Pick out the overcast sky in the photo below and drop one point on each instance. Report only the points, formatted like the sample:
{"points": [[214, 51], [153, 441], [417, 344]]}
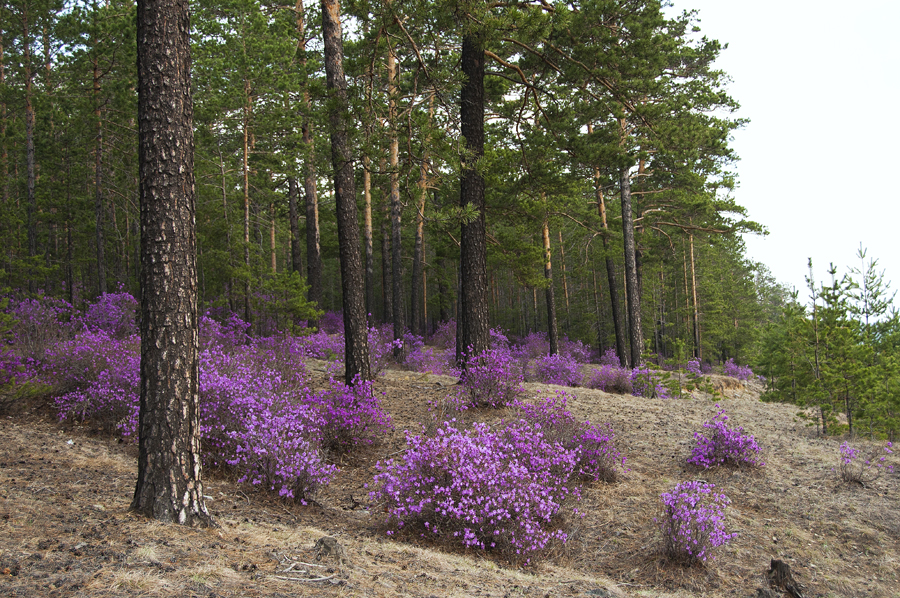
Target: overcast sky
{"points": [[820, 82]]}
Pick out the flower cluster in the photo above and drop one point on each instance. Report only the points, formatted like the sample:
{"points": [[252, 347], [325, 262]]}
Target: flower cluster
{"points": [[114, 313], [597, 457], [574, 350], [352, 415], [557, 369], [693, 522], [445, 335], [496, 489], [332, 322], [720, 444], [611, 378], [693, 368], [489, 380], [276, 447], [741, 372], [41, 323], [610, 357], [862, 469]]}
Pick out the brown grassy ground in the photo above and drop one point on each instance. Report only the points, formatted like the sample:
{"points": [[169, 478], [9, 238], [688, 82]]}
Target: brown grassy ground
{"points": [[65, 529]]}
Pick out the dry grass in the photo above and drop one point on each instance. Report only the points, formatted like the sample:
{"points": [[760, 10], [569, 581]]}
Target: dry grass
{"points": [[67, 532]]}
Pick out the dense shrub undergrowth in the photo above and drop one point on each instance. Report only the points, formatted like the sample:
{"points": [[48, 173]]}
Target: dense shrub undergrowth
{"points": [[505, 487]]}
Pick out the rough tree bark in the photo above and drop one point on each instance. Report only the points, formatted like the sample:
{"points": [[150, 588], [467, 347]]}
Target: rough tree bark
{"points": [[356, 346], [169, 485], [472, 329], [296, 253], [396, 209], [549, 293], [632, 289], [611, 279]]}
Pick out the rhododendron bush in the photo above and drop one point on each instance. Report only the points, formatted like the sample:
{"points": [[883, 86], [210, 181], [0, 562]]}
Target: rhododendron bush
{"points": [[493, 488], [259, 414]]}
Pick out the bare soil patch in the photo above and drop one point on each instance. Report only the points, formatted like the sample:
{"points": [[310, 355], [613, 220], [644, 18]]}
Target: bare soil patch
{"points": [[66, 530]]}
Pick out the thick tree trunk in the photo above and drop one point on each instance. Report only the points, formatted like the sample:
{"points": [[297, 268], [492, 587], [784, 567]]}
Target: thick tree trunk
{"points": [[168, 485], [246, 173], [565, 282], [272, 247], [472, 336], [368, 242], [698, 345], [418, 305], [386, 285], [294, 216], [631, 281], [4, 150], [396, 209], [552, 332], [356, 346], [31, 206], [611, 280], [310, 193], [99, 237]]}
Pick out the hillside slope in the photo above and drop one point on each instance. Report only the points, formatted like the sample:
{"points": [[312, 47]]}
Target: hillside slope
{"points": [[64, 495]]}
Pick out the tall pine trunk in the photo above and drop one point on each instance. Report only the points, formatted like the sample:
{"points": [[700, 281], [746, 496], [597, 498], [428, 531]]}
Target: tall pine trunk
{"points": [[294, 216], [611, 279], [99, 237], [169, 485], [632, 289], [356, 347], [472, 329], [396, 209], [549, 293], [368, 241]]}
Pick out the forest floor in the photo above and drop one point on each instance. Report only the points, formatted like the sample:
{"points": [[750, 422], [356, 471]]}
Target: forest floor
{"points": [[65, 528]]}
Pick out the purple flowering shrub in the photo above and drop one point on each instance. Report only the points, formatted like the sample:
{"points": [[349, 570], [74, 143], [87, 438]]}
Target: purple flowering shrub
{"points": [[429, 360], [351, 416], [693, 368], [40, 324], [648, 383], [611, 378], [741, 372], [720, 444], [381, 347], [693, 522], [99, 379], [332, 322], [445, 335], [858, 468], [321, 345], [276, 448], [557, 369], [489, 380], [597, 457], [534, 344], [227, 334], [114, 313], [499, 489], [610, 357], [575, 350]]}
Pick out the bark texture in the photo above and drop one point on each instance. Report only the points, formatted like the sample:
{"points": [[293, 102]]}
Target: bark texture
{"points": [[356, 346], [294, 214], [611, 279], [472, 330], [632, 288], [550, 295], [169, 485]]}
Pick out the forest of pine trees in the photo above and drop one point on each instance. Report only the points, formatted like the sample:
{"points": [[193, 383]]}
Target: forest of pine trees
{"points": [[597, 186]]}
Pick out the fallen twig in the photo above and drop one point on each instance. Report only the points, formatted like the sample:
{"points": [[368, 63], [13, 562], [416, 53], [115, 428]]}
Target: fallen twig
{"points": [[303, 578]]}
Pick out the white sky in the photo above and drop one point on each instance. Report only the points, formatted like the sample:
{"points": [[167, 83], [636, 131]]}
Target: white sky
{"points": [[820, 82]]}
